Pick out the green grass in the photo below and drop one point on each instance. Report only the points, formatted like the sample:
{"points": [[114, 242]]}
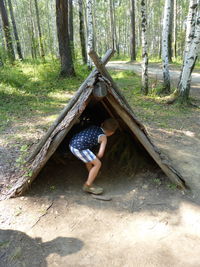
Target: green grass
{"points": [[150, 108], [33, 91], [32, 88]]}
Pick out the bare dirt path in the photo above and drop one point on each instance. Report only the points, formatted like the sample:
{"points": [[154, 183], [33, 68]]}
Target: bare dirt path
{"points": [[148, 222]]}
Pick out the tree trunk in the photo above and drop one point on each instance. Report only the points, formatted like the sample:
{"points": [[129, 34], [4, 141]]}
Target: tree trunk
{"points": [[112, 25], [165, 50], [171, 20], [71, 27], [144, 49], [90, 35], [82, 32], [39, 30], [189, 61], [67, 67], [6, 28], [115, 31], [132, 43], [191, 20], [19, 51], [32, 30], [175, 31]]}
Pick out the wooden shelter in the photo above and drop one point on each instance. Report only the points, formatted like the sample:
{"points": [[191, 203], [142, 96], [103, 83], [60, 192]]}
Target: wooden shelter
{"points": [[100, 91]]}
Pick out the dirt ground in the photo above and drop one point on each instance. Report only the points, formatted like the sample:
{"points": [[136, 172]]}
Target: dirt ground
{"points": [[148, 222]]}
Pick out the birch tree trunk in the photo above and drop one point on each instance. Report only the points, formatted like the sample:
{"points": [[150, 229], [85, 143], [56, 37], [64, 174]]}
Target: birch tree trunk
{"points": [[71, 27], [165, 50], [39, 30], [144, 88], [6, 28], [19, 50], [191, 21], [82, 32], [90, 35], [67, 67], [189, 61], [132, 41]]}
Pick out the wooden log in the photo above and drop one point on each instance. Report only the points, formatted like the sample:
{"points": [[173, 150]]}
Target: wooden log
{"points": [[105, 59], [51, 145], [141, 136], [137, 128]]}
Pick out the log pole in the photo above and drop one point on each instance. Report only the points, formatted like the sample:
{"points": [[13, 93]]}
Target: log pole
{"points": [[140, 133]]}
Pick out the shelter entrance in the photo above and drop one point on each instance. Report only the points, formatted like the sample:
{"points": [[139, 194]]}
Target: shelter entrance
{"points": [[124, 163]]}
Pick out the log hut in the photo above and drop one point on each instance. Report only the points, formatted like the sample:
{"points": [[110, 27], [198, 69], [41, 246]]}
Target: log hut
{"points": [[100, 94]]}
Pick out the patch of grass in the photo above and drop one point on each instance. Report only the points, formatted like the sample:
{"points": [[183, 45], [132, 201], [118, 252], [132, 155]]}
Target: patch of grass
{"points": [[157, 181], [172, 186], [150, 108], [30, 88]]}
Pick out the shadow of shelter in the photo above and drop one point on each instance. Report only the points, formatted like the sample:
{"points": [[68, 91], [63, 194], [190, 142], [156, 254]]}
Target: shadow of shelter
{"points": [[20, 250]]}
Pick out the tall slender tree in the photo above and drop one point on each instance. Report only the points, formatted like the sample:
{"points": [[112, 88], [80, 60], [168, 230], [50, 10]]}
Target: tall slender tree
{"points": [[175, 31], [39, 30], [132, 41], [165, 45], [19, 50], [112, 34], [71, 26], [144, 49], [6, 28], [90, 35], [192, 48], [170, 35], [191, 22], [82, 32], [67, 67]]}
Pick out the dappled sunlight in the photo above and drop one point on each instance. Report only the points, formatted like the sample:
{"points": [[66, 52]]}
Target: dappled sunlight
{"points": [[190, 217]]}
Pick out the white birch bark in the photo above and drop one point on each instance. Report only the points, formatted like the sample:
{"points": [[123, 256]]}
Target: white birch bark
{"points": [[165, 50], [144, 49], [90, 35], [191, 20], [189, 63]]}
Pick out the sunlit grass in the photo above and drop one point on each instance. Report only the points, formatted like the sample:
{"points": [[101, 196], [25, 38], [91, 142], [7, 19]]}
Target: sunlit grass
{"points": [[30, 88], [150, 108]]}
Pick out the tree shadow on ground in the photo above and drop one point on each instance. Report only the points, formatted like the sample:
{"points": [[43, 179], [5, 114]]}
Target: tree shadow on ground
{"points": [[17, 249]]}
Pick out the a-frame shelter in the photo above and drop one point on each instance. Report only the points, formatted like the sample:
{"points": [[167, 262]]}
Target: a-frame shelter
{"points": [[99, 88]]}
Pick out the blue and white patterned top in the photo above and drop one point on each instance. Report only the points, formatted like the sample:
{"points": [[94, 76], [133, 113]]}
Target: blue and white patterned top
{"points": [[87, 138]]}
